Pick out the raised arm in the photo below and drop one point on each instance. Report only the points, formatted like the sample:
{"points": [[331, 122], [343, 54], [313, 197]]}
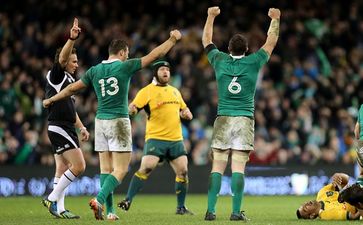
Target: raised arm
{"points": [[162, 49], [67, 48], [66, 92], [213, 12], [357, 131], [273, 30], [340, 180]]}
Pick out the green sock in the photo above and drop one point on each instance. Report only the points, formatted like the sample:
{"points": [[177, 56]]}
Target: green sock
{"points": [[136, 184], [109, 199], [181, 188], [215, 181], [237, 186], [108, 186], [360, 181]]}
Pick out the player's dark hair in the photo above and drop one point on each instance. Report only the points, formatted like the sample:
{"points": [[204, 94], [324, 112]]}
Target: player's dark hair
{"points": [[298, 214], [238, 45], [117, 45], [57, 53]]}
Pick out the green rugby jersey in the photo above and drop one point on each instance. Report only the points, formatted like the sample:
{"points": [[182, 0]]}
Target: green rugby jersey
{"points": [[360, 121], [110, 80], [236, 80]]}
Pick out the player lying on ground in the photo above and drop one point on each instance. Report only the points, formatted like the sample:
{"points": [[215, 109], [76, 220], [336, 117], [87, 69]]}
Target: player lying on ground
{"points": [[326, 205]]}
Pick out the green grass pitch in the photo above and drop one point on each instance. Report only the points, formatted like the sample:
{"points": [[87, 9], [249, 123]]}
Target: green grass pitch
{"points": [[159, 210]]}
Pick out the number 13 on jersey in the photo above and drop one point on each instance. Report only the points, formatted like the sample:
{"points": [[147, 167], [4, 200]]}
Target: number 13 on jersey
{"points": [[113, 86]]}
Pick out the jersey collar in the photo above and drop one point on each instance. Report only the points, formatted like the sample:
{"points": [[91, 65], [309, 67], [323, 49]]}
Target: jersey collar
{"points": [[110, 60], [237, 56]]}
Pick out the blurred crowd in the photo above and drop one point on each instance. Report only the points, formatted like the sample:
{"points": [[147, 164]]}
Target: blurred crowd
{"points": [[307, 97]]}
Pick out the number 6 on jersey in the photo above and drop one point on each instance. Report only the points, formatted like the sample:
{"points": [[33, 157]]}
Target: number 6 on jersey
{"points": [[234, 87]]}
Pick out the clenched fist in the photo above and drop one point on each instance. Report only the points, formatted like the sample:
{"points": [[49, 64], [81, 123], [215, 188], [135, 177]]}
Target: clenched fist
{"points": [[274, 13], [214, 11], [175, 34]]}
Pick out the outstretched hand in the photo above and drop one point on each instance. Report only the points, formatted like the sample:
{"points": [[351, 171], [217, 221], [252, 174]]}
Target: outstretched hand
{"points": [[175, 34], [214, 11], [274, 13], [75, 30]]}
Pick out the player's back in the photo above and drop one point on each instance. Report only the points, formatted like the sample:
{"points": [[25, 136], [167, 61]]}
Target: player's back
{"points": [[236, 81], [110, 80]]}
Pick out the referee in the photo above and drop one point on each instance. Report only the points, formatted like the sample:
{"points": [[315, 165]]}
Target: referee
{"points": [[62, 123]]}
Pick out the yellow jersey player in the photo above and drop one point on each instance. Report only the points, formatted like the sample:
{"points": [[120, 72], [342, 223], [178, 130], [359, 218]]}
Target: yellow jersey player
{"points": [[326, 206], [163, 140]]}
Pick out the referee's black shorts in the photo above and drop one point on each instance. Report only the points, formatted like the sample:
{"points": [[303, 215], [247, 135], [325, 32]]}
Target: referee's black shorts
{"points": [[62, 138]]}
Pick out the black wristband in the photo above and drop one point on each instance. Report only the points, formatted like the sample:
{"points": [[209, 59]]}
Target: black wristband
{"points": [[73, 39]]}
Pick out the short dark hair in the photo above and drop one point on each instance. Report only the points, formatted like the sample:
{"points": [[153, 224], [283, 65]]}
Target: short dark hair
{"points": [[116, 45], [298, 214], [57, 53], [238, 45]]}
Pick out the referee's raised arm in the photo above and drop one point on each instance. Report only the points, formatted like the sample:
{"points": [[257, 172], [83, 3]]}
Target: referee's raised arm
{"points": [[68, 46]]}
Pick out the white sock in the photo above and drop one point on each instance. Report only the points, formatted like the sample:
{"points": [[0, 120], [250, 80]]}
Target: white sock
{"points": [[60, 202], [63, 182]]}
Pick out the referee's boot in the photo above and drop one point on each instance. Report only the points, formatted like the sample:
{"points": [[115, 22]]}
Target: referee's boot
{"points": [[51, 206]]}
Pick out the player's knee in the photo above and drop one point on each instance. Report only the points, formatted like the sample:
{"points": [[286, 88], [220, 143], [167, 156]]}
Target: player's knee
{"points": [[183, 173], [79, 168], [240, 158], [220, 156]]}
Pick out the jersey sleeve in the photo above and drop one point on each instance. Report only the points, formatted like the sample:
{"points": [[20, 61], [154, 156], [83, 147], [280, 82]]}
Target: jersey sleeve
{"points": [[141, 99], [87, 77], [56, 74], [334, 214], [260, 57], [323, 191], [212, 54], [182, 103], [133, 65]]}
